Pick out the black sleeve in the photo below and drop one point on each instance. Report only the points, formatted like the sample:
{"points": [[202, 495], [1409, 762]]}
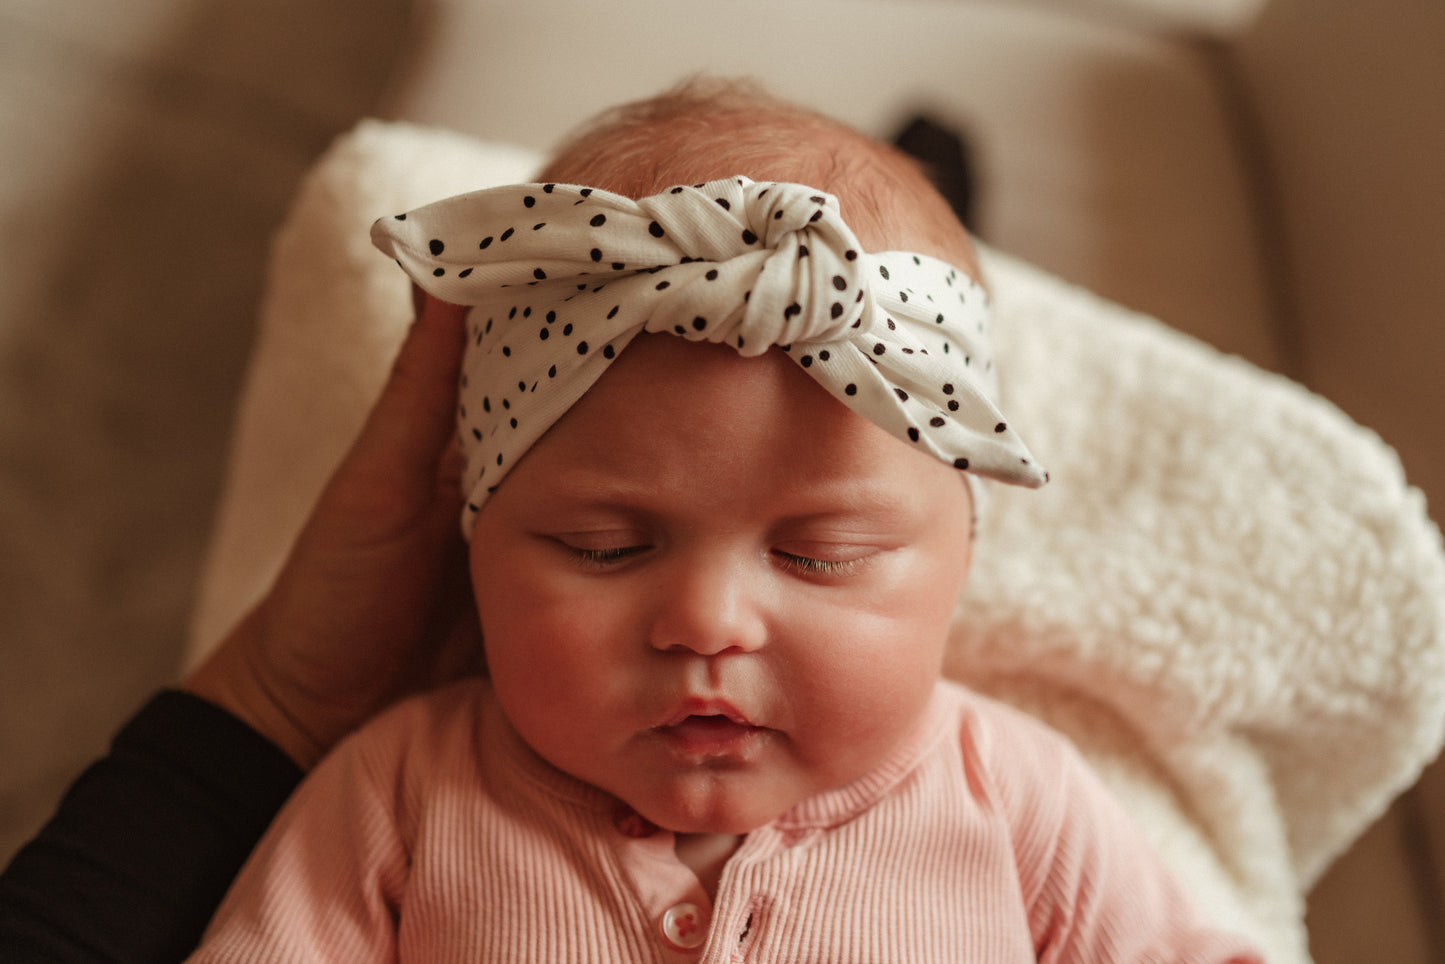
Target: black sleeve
{"points": [[147, 840]]}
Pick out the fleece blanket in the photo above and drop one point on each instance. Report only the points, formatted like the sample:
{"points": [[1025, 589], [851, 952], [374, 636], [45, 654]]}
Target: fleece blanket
{"points": [[1228, 597]]}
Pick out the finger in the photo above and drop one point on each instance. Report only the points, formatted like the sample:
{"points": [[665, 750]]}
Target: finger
{"points": [[449, 473], [414, 418]]}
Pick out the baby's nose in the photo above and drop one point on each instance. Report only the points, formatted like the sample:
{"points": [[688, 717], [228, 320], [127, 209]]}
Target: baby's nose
{"points": [[709, 606]]}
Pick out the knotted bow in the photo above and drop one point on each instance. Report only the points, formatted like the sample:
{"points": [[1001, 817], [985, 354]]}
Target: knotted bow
{"points": [[561, 278]]}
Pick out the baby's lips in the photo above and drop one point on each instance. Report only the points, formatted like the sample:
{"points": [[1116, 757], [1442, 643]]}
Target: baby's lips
{"points": [[699, 707]]}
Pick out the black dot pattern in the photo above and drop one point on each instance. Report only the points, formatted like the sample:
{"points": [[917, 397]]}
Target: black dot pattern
{"points": [[902, 339]]}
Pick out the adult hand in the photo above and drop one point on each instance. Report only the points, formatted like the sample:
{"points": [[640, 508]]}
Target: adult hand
{"points": [[374, 601]]}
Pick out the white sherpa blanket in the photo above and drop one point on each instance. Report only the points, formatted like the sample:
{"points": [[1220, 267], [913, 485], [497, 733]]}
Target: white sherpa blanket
{"points": [[1228, 596]]}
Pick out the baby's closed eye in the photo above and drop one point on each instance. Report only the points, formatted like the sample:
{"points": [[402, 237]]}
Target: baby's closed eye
{"points": [[816, 558]]}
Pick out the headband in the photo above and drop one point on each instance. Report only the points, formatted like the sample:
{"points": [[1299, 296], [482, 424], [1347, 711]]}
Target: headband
{"points": [[561, 278]]}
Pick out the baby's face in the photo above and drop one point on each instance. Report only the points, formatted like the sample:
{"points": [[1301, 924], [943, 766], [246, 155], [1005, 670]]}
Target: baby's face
{"points": [[713, 590]]}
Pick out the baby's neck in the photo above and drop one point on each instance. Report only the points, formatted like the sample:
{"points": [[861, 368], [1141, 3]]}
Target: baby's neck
{"points": [[705, 854]]}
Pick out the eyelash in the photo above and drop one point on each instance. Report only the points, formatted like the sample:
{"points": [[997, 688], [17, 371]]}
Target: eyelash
{"points": [[803, 565], [808, 566], [603, 557]]}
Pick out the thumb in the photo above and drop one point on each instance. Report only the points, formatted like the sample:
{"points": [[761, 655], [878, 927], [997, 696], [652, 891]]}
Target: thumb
{"points": [[414, 418]]}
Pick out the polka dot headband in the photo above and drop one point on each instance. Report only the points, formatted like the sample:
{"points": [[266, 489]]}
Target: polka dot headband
{"points": [[562, 278]]}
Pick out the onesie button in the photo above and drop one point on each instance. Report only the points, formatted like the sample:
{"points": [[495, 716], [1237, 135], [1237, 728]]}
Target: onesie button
{"points": [[683, 926]]}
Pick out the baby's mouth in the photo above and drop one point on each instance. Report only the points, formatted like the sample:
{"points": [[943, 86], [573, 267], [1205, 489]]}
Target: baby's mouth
{"points": [[715, 723], [707, 712], [714, 731]]}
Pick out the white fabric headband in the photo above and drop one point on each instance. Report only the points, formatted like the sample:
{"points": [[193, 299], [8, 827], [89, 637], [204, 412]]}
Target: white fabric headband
{"points": [[561, 278]]}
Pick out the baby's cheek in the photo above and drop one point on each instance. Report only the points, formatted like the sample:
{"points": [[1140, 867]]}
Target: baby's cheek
{"points": [[865, 697]]}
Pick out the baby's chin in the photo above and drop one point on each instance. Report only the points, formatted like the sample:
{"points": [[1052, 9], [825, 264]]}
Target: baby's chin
{"points": [[714, 813], [739, 825]]}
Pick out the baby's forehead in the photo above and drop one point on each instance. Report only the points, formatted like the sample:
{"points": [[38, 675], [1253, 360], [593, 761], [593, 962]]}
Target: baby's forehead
{"points": [[668, 405]]}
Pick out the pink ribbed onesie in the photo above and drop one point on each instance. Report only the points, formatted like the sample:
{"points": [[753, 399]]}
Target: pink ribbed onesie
{"points": [[436, 835]]}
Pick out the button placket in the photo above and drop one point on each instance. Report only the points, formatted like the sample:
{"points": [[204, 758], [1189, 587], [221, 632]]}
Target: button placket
{"points": [[670, 898]]}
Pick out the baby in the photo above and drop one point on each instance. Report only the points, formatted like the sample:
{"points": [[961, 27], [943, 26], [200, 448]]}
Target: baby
{"points": [[726, 398]]}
